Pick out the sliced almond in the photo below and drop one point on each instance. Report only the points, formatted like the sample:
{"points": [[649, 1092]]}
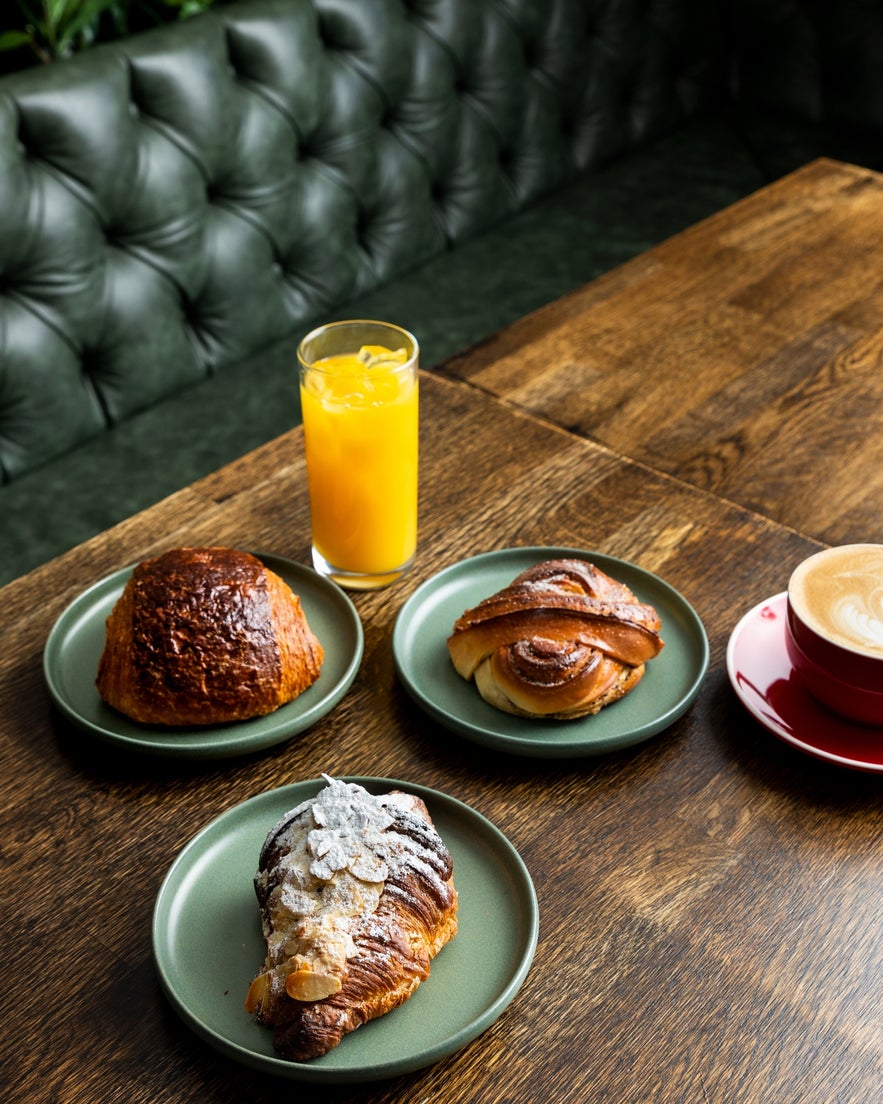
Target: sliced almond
{"points": [[307, 985]]}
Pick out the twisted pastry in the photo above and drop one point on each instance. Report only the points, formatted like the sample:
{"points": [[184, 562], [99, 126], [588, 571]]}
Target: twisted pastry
{"points": [[561, 641]]}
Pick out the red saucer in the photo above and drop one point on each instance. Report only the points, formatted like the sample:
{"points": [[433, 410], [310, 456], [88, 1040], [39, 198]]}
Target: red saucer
{"points": [[763, 678]]}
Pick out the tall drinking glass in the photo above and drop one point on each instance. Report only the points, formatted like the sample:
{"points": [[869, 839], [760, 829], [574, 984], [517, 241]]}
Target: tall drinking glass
{"points": [[358, 389]]}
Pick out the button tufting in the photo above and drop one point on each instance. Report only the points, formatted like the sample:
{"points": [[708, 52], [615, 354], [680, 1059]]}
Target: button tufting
{"points": [[288, 191]]}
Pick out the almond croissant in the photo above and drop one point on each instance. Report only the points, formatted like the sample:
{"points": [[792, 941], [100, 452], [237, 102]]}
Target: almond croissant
{"points": [[561, 641], [356, 896]]}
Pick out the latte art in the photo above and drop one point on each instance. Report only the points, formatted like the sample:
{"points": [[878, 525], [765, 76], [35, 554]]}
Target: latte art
{"points": [[859, 621], [839, 594]]}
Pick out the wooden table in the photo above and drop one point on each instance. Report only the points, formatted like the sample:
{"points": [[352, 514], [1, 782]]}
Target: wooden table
{"points": [[710, 900], [742, 355]]}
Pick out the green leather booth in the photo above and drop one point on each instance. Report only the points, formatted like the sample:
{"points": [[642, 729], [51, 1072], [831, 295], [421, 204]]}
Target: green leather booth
{"points": [[177, 208]]}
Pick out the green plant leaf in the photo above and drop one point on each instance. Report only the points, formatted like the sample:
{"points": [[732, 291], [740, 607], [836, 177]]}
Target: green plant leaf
{"points": [[58, 28], [59, 11], [87, 16], [12, 40]]}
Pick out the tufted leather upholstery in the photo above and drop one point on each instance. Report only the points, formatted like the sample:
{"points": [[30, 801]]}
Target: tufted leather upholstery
{"points": [[180, 205], [171, 204]]}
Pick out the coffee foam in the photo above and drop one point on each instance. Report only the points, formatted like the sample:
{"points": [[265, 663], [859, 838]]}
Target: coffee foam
{"points": [[839, 594]]}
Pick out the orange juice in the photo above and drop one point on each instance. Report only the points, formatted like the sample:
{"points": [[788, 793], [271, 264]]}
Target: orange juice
{"points": [[360, 416]]}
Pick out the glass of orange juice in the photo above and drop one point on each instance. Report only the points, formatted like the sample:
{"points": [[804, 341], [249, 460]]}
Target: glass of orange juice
{"points": [[358, 390]]}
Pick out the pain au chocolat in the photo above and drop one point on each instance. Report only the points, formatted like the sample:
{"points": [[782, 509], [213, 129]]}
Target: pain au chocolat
{"points": [[561, 641], [356, 896], [204, 636]]}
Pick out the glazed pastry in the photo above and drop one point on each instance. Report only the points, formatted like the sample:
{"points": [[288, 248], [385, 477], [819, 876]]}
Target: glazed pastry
{"points": [[356, 897], [561, 641], [205, 636]]}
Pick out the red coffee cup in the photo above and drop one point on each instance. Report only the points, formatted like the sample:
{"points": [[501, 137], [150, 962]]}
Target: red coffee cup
{"points": [[834, 633]]}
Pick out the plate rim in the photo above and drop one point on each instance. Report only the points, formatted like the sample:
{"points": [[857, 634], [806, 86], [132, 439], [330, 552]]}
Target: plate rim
{"points": [[167, 893], [186, 743], [779, 730], [534, 746]]}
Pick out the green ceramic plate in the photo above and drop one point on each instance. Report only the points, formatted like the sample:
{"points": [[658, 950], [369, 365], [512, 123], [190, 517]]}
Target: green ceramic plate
{"points": [[208, 946], [74, 646], [668, 688]]}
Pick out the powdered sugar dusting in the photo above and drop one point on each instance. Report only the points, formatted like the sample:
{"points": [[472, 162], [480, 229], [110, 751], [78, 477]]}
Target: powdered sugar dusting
{"points": [[349, 833], [335, 856]]}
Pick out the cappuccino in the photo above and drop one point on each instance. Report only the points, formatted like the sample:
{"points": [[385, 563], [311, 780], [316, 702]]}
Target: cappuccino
{"points": [[838, 593]]}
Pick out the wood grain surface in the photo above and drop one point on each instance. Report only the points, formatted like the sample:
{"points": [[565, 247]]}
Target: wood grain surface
{"points": [[744, 355], [710, 900]]}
